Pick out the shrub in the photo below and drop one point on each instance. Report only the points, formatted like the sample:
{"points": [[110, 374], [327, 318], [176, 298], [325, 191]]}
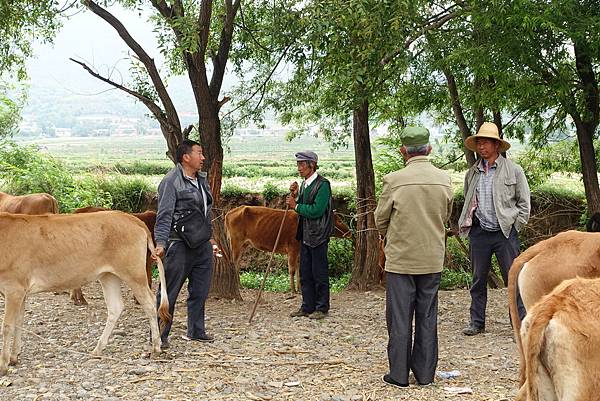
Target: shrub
{"points": [[270, 192], [143, 168], [340, 256], [25, 170], [127, 194]]}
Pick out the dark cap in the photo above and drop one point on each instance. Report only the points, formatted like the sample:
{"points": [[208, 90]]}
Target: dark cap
{"points": [[307, 155]]}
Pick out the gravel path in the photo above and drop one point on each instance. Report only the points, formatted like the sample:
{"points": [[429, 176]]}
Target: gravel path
{"points": [[341, 358]]}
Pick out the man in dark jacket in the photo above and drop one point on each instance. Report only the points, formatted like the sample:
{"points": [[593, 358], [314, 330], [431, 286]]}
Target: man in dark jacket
{"points": [[182, 191], [314, 205]]}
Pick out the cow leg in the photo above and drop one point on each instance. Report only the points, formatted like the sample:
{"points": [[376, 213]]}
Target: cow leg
{"points": [[111, 286], [294, 270], [146, 299], [13, 302], [77, 297], [18, 342], [149, 264]]}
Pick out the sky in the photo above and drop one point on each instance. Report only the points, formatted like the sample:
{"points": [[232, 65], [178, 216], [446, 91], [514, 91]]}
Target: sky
{"points": [[86, 37]]}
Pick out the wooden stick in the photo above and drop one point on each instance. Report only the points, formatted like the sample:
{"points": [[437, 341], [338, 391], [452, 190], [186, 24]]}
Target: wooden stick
{"points": [[268, 270]]}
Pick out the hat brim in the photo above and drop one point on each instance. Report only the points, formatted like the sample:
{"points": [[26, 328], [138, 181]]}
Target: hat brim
{"points": [[471, 144]]}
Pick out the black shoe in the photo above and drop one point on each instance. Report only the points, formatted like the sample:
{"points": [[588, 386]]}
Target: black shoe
{"points": [[203, 338], [318, 315], [472, 330], [388, 380], [299, 313]]}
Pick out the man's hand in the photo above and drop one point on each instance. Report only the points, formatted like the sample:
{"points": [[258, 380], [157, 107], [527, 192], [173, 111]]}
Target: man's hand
{"points": [[215, 248], [159, 252], [290, 201], [294, 189]]}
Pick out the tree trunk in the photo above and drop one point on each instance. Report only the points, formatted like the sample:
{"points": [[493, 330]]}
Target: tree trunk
{"points": [[589, 168], [459, 115], [225, 280], [366, 272]]}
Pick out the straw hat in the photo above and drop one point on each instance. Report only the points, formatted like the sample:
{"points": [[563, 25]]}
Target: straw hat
{"points": [[487, 130]]}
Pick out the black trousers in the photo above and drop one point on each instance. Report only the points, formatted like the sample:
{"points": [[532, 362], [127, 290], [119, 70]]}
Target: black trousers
{"points": [[195, 265], [482, 244], [412, 297], [314, 278]]}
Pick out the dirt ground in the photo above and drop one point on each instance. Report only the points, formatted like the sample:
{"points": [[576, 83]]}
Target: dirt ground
{"points": [[341, 358]]}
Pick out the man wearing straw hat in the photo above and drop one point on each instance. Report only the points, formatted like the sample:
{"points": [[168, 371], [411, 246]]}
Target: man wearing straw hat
{"points": [[314, 205], [497, 206], [413, 208]]}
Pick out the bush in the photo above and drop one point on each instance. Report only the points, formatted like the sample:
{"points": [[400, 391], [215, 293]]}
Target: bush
{"points": [[143, 168], [25, 170], [340, 256], [270, 192], [127, 194]]}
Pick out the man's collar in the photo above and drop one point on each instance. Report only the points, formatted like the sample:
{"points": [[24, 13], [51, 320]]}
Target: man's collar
{"points": [[417, 159], [199, 174], [310, 179]]}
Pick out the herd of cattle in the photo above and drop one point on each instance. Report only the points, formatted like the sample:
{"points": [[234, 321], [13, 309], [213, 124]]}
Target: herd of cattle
{"points": [[558, 280]]}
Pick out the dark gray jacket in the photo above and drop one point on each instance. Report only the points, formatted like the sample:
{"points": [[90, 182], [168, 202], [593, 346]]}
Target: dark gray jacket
{"points": [[177, 195]]}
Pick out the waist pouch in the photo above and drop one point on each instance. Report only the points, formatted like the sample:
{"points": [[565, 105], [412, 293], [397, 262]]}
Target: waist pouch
{"points": [[193, 228]]}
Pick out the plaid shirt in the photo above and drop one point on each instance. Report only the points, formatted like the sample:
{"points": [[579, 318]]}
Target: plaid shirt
{"points": [[485, 212]]}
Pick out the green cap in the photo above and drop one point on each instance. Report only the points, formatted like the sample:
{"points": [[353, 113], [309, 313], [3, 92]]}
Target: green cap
{"points": [[414, 136]]}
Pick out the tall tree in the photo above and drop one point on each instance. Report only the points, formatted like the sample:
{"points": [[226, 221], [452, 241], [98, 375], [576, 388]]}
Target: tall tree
{"points": [[22, 22], [196, 39], [556, 46], [338, 81]]}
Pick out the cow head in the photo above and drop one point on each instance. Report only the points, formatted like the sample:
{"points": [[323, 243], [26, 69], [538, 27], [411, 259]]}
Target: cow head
{"points": [[341, 230]]}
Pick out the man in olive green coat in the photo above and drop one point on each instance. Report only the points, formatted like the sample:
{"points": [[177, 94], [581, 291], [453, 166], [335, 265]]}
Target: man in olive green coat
{"points": [[314, 205], [414, 206]]}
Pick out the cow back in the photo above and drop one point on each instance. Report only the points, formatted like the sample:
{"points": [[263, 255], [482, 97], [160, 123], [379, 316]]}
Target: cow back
{"points": [[40, 203]]}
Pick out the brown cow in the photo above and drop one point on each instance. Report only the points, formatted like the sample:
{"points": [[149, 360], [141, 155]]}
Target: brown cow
{"points": [[561, 339], [28, 204], [56, 252], [258, 226], [149, 218], [542, 267]]}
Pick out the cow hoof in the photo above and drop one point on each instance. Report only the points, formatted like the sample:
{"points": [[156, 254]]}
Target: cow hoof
{"points": [[13, 361], [80, 302], [3, 371]]}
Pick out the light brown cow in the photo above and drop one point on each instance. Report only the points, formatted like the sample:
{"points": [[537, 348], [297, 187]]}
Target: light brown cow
{"points": [[57, 252], [561, 338], [28, 204], [149, 219], [542, 267], [258, 226]]}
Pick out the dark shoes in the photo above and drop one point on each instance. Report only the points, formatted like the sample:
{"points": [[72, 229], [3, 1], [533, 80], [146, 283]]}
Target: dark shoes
{"points": [[318, 315], [299, 313], [472, 330], [203, 338], [388, 380]]}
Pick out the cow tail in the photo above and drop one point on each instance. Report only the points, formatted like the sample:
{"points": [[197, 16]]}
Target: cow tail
{"points": [[163, 309], [513, 277], [539, 319]]}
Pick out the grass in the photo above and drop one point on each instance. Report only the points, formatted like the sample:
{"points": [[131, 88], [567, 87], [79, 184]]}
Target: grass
{"points": [[280, 281]]}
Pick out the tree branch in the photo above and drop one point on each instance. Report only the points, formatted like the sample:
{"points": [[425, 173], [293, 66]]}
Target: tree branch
{"points": [[263, 85], [220, 61], [170, 111], [153, 107], [434, 24]]}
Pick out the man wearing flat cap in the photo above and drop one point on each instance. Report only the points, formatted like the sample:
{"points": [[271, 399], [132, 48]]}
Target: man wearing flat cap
{"points": [[413, 209], [314, 205], [497, 206]]}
